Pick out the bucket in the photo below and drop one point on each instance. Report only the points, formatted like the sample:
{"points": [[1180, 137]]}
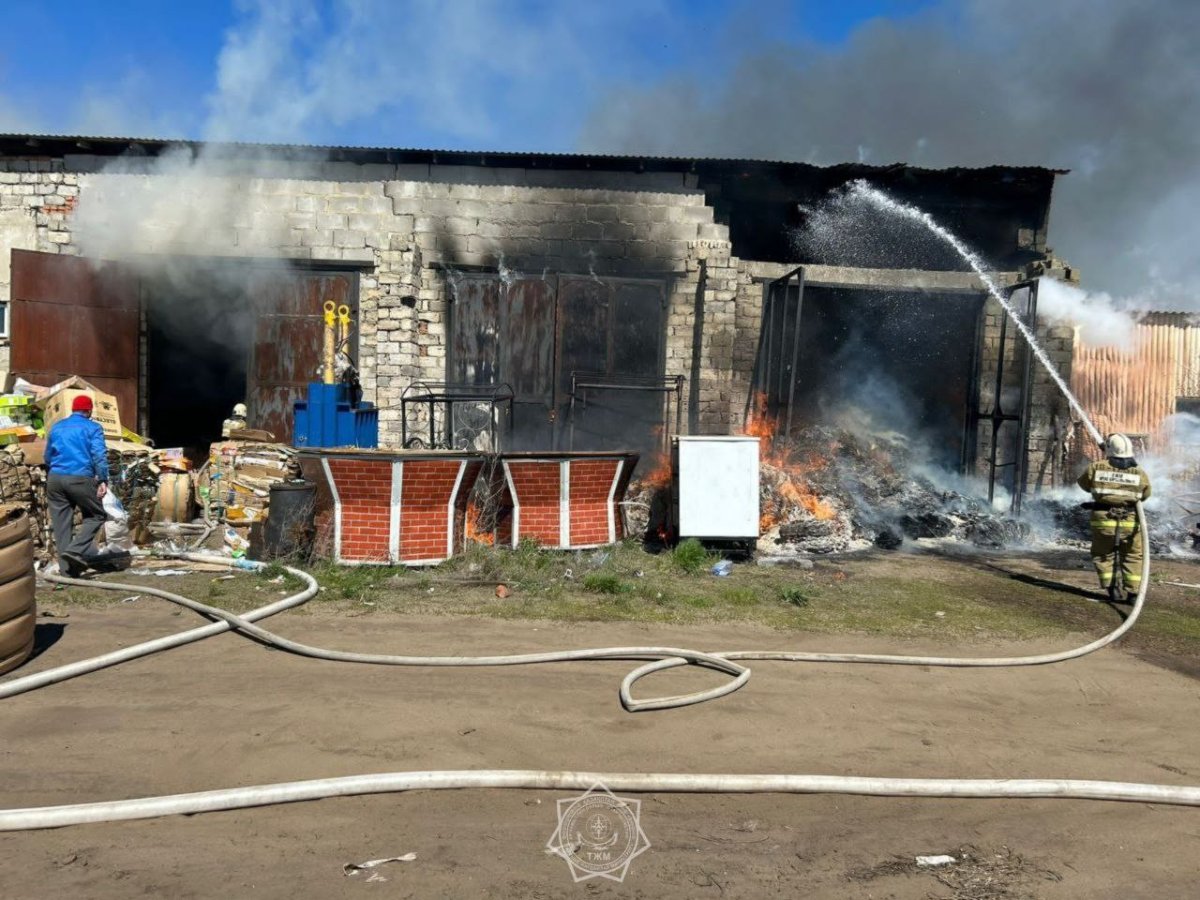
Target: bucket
{"points": [[289, 528], [18, 608]]}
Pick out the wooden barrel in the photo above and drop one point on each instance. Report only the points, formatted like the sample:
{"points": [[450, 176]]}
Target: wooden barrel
{"points": [[18, 606], [174, 502]]}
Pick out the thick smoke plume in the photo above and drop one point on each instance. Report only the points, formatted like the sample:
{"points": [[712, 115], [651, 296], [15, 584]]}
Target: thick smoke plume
{"points": [[1109, 90]]}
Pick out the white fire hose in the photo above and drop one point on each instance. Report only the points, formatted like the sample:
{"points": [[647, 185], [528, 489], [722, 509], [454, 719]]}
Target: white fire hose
{"points": [[662, 658]]}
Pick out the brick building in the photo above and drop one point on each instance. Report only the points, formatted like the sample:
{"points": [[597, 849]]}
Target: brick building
{"points": [[204, 267]]}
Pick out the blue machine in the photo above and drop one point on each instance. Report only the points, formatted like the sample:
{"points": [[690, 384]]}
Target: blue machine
{"points": [[327, 419]]}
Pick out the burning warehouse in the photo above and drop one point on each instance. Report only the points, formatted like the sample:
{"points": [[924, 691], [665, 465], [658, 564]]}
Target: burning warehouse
{"points": [[533, 303]]}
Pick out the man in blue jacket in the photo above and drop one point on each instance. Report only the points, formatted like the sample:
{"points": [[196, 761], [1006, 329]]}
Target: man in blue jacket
{"points": [[77, 460]]}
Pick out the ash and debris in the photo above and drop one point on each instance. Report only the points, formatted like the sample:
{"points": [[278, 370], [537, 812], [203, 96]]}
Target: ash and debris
{"points": [[833, 489]]}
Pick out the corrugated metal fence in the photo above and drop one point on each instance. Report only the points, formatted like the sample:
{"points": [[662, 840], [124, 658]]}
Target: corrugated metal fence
{"points": [[1135, 390]]}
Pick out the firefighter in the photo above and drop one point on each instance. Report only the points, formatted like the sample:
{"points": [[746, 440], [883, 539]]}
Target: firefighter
{"points": [[236, 422], [1116, 484]]}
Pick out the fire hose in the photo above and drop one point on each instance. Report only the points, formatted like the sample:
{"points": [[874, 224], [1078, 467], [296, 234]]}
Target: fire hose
{"points": [[661, 658]]}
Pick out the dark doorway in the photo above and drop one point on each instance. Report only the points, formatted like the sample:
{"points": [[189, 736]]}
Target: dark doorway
{"points": [[905, 359], [226, 332], [199, 330]]}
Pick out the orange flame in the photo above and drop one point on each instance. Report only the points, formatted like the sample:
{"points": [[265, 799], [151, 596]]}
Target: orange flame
{"points": [[473, 529], [793, 490]]}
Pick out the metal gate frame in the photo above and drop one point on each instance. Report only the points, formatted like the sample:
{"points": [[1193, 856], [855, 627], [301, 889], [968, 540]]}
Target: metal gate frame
{"points": [[997, 416], [778, 345]]}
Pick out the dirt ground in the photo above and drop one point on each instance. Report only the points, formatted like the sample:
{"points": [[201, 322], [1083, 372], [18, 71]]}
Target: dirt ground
{"points": [[228, 712]]}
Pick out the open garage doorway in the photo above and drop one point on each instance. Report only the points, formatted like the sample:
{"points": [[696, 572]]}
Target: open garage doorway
{"points": [[178, 340], [199, 340], [902, 362]]}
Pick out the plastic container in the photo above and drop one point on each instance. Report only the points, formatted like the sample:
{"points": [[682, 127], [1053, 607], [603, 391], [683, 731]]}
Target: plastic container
{"points": [[366, 426], [723, 568], [289, 529], [300, 424]]}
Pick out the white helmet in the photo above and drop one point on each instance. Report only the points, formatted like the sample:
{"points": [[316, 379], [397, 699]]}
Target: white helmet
{"points": [[1118, 446], [239, 410]]}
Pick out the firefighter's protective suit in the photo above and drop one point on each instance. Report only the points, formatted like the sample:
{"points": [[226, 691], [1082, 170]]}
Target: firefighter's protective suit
{"points": [[1116, 485]]}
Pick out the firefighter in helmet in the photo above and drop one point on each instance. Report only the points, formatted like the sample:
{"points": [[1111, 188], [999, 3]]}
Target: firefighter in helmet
{"points": [[1116, 484], [235, 422]]}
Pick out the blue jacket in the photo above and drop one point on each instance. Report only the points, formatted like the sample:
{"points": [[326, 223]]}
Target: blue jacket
{"points": [[76, 447]]}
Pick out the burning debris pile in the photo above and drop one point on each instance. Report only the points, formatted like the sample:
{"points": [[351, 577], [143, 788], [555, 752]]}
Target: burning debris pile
{"points": [[853, 485], [832, 489]]}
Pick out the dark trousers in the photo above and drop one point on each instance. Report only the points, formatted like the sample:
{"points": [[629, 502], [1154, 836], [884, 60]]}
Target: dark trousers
{"points": [[64, 495]]}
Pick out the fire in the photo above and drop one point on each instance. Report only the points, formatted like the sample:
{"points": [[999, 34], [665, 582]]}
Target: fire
{"points": [[760, 423], [473, 529], [792, 490]]}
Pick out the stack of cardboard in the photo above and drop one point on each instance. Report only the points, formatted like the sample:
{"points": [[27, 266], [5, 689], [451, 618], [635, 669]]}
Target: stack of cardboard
{"points": [[23, 485], [236, 483]]}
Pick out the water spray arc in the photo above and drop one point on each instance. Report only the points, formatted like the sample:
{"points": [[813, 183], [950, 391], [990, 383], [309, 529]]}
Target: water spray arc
{"points": [[884, 203], [660, 658]]}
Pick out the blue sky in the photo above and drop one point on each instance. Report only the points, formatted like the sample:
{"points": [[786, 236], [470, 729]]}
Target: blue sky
{"points": [[509, 74], [928, 82]]}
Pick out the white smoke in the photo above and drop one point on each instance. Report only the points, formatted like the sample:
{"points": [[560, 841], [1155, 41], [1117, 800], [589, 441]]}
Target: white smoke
{"points": [[1102, 320]]}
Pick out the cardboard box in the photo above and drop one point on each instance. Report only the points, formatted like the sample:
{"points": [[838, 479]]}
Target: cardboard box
{"points": [[57, 406], [35, 453]]}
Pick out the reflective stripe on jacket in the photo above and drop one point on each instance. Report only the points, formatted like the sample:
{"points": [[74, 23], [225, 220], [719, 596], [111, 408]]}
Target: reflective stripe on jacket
{"points": [[1117, 487]]}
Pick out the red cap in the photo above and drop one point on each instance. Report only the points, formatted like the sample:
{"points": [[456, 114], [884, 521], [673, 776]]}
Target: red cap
{"points": [[82, 403]]}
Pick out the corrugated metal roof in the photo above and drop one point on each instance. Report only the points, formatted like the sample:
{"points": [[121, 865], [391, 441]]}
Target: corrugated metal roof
{"points": [[480, 157]]}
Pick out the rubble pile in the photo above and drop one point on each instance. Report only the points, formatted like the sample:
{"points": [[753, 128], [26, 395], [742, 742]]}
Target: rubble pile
{"points": [[133, 478], [829, 490]]}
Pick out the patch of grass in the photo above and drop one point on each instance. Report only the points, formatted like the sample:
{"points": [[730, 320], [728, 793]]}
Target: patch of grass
{"points": [[272, 570], [350, 582], [690, 556], [794, 596], [606, 583], [739, 596]]}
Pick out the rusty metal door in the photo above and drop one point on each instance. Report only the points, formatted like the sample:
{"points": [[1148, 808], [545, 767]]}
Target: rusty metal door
{"points": [[288, 341], [503, 332], [527, 359], [76, 316], [611, 326]]}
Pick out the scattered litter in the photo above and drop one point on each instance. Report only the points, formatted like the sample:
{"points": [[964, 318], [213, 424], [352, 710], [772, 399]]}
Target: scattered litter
{"points": [[940, 614], [942, 860], [132, 599], [161, 573], [502, 592], [639, 574], [467, 731], [569, 575], [355, 868], [278, 579], [600, 557], [723, 568], [225, 578]]}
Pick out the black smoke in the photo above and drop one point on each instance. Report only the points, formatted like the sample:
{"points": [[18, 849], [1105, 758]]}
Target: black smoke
{"points": [[1108, 90]]}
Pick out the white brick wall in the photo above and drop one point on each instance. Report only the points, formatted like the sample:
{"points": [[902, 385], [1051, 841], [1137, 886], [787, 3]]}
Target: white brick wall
{"points": [[408, 228]]}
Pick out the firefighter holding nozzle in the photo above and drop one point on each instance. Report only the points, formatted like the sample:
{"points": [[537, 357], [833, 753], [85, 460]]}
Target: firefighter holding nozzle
{"points": [[1116, 484]]}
